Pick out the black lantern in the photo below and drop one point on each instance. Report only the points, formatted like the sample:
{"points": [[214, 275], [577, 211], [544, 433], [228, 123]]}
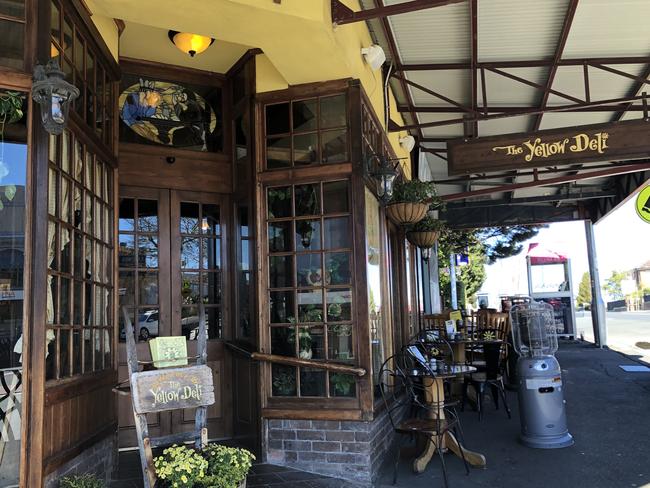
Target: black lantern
{"points": [[54, 95], [385, 173]]}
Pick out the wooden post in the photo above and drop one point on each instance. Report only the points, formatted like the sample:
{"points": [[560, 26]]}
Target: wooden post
{"points": [[598, 316]]}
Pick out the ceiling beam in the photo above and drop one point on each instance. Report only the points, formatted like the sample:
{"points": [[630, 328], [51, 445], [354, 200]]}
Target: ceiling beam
{"points": [[614, 171], [561, 197], [473, 14], [539, 63], [394, 55], [341, 14], [634, 90], [523, 110], [564, 35]]}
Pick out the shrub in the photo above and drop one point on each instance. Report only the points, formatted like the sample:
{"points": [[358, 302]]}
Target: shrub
{"points": [[227, 466], [180, 467], [81, 481]]}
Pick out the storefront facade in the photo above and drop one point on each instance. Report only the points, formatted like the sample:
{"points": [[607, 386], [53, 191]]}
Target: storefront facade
{"points": [[262, 207]]}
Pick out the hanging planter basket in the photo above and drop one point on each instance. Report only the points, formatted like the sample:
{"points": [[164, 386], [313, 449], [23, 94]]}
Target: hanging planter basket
{"points": [[423, 239], [407, 213]]}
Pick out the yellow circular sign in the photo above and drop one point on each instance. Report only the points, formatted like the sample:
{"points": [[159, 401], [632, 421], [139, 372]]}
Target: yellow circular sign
{"points": [[643, 204]]}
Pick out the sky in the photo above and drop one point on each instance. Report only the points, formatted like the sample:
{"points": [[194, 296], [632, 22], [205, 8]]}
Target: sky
{"points": [[622, 243]]}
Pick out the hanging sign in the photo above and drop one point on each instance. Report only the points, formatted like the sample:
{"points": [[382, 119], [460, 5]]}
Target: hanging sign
{"points": [[602, 142], [171, 389], [643, 204]]}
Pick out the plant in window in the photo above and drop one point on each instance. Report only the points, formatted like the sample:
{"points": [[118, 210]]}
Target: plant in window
{"points": [[342, 384], [310, 313], [305, 231], [11, 111], [284, 383], [411, 200], [304, 341], [279, 202]]}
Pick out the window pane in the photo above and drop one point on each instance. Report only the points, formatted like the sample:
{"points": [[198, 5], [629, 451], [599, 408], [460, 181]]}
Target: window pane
{"points": [[280, 236], [278, 152], [190, 290], [283, 341], [339, 305], [88, 350], [12, 45], [312, 382], [211, 254], [64, 353], [277, 119], [148, 288], [335, 146], [77, 351], [211, 287], [332, 111], [210, 222], [311, 342], [280, 271], [305, 115], [337, 233], [126, 251], [310, 306], [305, 148], [339, 340], [127, 214], [64, 304], [309, 270], [282, 306], [307, 199], [190, 252], [336, 197], [147, 216], [189, 218], [283, 380], [148, 251], [16, 8], [279, 202], [342, 385], [127, 288], [337, 268], [308, 235], [52, 194]]}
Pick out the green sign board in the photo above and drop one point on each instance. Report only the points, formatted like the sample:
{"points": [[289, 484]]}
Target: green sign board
{"points": [[643, 204]]}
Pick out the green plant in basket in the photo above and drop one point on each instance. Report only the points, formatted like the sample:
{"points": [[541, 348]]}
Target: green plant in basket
{"points": [[81, 481], [414, 191], [227, 466], [181, 467], [428, 224]]}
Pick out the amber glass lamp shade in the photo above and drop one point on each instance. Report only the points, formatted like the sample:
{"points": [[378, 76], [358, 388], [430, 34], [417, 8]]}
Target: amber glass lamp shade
{"points": [[191, 44]]}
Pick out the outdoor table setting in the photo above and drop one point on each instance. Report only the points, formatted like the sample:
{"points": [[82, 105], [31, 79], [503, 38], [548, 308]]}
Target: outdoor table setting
{"points": [[432, 373]]}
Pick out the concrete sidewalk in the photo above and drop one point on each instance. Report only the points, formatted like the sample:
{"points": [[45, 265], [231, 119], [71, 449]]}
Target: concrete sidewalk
{"points": [[609, 416]]}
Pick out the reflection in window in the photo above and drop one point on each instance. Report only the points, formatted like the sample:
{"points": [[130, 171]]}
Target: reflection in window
{"points": [[13, 170], [310, 294], [306, 132]]}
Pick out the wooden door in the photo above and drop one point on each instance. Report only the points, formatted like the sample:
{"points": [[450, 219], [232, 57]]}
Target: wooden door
{"points": [[144, 288], [199, 258], [168, 265]]}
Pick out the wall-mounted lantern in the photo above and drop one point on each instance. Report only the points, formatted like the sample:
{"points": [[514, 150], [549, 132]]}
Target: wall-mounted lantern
{"points": [[383, 170], [54, 95]]}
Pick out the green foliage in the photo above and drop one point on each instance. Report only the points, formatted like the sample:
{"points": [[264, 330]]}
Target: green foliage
{"points": [[470, 277], [180, 467], [427, 224], [227, 466], [416, 191], [613, 285], [11, 107], [584, 290], [81, 481], [215, 466], [343, 383], [504, 242]]}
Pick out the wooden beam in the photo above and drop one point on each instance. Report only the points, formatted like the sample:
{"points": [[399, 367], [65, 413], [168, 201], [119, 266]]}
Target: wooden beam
{"points": [[634, 90], [341, 14], [534, 85], [530, 63], [473, 13], [564, 34], [521, 110]]}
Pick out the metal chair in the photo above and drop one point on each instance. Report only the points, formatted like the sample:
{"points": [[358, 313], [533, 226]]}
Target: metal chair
{"points": [[412, 407], [495, 361]]}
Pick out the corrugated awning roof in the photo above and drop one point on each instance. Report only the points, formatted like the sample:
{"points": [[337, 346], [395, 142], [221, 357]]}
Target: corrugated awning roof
{"points": [[483, 58]]}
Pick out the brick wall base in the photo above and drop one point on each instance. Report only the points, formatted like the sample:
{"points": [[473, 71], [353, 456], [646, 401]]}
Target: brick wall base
{"points": [[97, 459], [351, 450]]}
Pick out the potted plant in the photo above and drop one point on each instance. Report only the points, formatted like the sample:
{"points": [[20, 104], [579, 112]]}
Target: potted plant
{"points": [[342, 384], [304, 342], [424, 233], [215, 466], [410, 201]]}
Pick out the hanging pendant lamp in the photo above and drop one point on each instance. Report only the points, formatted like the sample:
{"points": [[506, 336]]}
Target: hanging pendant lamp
{"points": [[189, 43]]}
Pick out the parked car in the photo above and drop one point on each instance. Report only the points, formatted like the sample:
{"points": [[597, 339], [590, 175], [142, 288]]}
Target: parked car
{"points": [[147, 325]]}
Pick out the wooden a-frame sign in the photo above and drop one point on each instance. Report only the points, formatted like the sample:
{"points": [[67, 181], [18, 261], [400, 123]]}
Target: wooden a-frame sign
{"points": [[555, 147]]}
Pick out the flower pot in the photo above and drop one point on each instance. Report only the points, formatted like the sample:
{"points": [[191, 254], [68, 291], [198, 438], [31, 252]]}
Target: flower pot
{"points": [[423, 239], [407, 213]]}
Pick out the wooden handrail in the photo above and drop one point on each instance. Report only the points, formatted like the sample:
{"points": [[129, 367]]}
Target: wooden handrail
{"points": [[336, 367]]}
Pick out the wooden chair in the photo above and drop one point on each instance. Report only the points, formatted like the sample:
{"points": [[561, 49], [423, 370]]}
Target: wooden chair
{"points": [[435, 321], [146, 443]]}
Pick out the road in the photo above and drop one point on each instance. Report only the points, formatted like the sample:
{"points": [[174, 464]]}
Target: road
{"points": [[627, 332]]}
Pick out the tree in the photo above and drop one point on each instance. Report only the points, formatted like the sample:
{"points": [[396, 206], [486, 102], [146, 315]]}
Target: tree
{"points": [[584, 290], [613, 285], [484, 246]]}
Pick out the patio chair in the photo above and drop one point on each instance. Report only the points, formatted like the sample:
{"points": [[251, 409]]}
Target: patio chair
{"points": [[492, 376], [410, 409]]}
